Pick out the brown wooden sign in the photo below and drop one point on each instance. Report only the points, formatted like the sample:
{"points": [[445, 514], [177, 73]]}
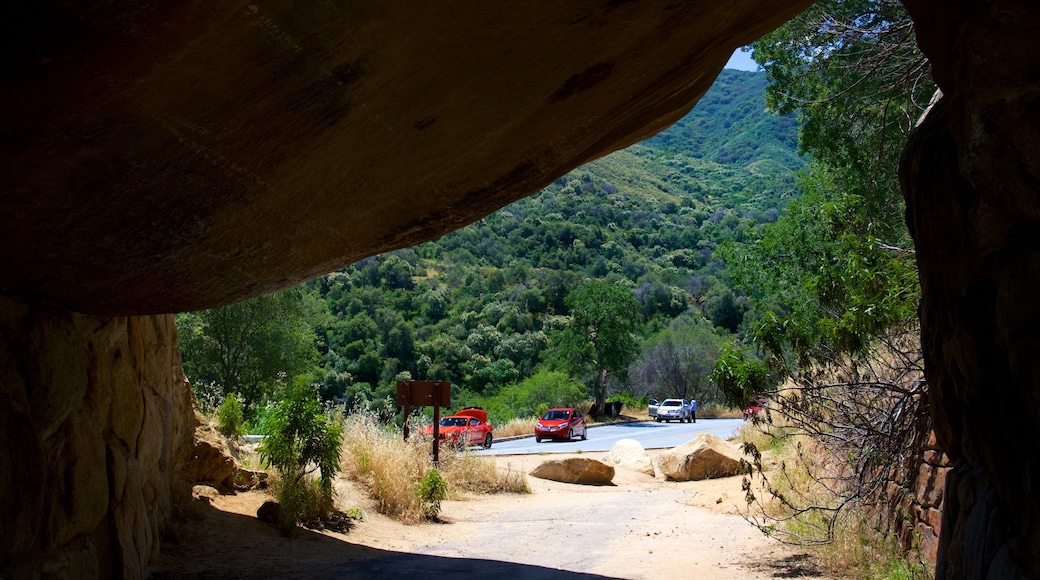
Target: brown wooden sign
{"points": [[434, 394], [424, 393]]}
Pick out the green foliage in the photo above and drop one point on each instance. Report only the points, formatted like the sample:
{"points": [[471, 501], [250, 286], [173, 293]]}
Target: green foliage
{"points": [[243, 347], [229, 417], [677, 362], [740, 377], [476, 307], [432, 491], [821, 290], [301, 439], [601, 337], [730, 125], [531, 397], [831, 286], [838, 270]]}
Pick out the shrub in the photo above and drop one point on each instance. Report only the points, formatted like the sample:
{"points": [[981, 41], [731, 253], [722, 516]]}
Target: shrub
{"points": [[432, 491], [229, 416], [301, 440]]}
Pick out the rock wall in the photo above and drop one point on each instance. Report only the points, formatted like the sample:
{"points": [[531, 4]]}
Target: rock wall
{"points": [[971, 179], [915, 497], [96, 423]]}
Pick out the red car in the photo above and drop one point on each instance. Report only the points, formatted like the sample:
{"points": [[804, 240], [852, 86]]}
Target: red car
{"points": [[560, 424], [465, 428], [755, 407]]}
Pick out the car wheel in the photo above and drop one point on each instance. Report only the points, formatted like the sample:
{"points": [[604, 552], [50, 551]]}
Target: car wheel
{"points": [[537, 439], [658, 419], [570, 435], [487, 441], [585, 433]]}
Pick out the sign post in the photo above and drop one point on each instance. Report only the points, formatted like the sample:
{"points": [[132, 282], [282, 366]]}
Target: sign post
{"points": [[424, 394]]}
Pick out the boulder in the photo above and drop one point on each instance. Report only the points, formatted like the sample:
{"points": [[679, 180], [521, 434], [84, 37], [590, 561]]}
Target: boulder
{"points": [[211, 461], [246, 479], [575, 470], [269, 512], [705, 457], [629, 454]]}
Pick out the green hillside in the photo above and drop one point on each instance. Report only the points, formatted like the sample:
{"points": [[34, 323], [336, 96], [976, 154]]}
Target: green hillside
{"points": [[478, 307], [730, 125]]}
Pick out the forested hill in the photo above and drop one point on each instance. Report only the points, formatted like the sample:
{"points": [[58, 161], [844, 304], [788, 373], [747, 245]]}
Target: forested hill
{"points": [[478, 307], [730, 125]]}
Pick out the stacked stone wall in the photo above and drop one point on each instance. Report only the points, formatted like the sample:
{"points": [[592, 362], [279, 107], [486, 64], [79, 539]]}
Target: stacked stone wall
{"points": [[914, 504]]}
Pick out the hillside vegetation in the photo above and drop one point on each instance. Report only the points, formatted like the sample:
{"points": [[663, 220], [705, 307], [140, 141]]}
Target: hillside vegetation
{"points": [[483, 307]]}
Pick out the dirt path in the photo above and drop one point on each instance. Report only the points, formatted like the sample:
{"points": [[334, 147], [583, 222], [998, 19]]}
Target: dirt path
{"points": [[641, 527]]}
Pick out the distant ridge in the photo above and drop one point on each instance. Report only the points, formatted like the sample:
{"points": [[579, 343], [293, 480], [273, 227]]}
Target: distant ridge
{"points": [[730, 125]]}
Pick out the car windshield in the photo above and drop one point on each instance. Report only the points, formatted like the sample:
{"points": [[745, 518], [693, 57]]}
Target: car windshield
{"points": [[671, 404], [453, 422], [556, 415]]}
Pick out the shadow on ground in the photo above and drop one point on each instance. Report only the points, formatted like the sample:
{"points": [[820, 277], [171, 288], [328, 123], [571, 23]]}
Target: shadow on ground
{"points": [[211, 544]]}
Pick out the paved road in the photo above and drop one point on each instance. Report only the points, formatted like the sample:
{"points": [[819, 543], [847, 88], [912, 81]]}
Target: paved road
{"points": [[650, 435]]}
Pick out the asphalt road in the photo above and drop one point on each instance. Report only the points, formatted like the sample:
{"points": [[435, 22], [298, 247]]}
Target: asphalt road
{"points": [[649, 434]]}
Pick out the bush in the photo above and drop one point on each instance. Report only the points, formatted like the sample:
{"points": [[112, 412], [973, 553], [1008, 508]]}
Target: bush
{"points": [[229, 416], [432, 491], [301, 440]]}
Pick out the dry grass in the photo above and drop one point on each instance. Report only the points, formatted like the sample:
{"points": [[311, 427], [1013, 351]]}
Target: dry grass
{"points": [[391, 469], [717, 411], [845, 543], [469, 473], [516, 427]]}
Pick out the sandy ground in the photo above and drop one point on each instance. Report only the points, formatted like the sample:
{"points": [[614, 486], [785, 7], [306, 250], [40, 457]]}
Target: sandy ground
{"points": [[639, 527]]}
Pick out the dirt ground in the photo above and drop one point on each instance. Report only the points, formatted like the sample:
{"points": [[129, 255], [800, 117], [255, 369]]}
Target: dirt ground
{"points": [[639, 527]]}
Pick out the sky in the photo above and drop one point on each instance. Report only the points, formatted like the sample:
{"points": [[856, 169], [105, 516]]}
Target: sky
{"points": [[742, 61]]}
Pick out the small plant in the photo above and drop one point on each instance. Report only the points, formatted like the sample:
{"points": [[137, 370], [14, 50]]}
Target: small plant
{"points": [[301, 440], [432, 491], [356, 514], [229, 416]]}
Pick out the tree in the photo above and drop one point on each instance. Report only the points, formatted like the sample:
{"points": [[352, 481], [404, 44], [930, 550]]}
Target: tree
{"points": [[242, 347], [841, 261], [600, 340], [833, 283], [678, 361], [852, 68], [534, 395]]}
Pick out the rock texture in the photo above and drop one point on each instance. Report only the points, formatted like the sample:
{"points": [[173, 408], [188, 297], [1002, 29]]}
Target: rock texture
{"points": [[170, 156], [212, 463], [575, 470], [705, 457], [971, 178], [95, 424], [629, 454]]}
